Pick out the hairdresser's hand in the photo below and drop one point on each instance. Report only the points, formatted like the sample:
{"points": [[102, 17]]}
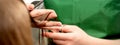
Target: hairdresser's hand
{"points": [[40, 12], [36, 14], [71, 35]]}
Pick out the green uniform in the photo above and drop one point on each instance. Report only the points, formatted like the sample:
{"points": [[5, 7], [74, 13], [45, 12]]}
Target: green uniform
{"points": [[99, 18]]}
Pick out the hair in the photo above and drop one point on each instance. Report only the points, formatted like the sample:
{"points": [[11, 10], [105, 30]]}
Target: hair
{"points": [[15, 23]]}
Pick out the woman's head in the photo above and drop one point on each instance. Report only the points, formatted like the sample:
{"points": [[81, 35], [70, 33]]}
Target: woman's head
{"points": [[15, 27]]}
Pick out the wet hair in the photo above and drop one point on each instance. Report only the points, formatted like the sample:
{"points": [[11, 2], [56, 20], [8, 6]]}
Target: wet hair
{"points": [[15, 26]]}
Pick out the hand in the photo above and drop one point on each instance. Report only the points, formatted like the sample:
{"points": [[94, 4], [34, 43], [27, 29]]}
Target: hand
{"points": [[72, 35], [38, 13]]}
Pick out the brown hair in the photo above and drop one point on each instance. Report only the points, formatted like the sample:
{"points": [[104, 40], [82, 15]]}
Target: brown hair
{"points": [[15, 26]]}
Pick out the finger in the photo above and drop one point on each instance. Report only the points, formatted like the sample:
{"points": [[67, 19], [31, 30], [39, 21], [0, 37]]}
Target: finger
{"points": [[54, 31], [59, 42], [40, 24], [30, 6], [40, 12], [59, 28], [48, 23], [52, 14], [53, 23], [58, 36]]}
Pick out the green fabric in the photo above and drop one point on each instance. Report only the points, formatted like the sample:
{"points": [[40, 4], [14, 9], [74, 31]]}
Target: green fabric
{"points": [[99, 18]]}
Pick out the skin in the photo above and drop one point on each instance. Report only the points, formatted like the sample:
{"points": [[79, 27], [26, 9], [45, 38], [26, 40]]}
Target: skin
{"points": [[71, 34], [39, 12]]}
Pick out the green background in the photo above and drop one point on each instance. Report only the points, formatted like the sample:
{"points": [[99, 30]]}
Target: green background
{"points": [[99, 18]]}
